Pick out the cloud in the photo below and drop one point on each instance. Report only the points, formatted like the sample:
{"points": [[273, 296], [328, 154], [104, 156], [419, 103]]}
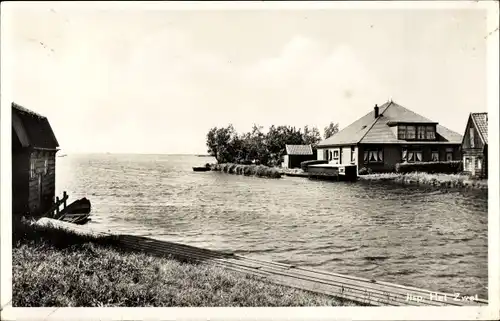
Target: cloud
{"points": [[108, 90]]}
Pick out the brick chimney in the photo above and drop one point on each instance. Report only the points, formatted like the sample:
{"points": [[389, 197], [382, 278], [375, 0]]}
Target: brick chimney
{"points": [[376, 110]]}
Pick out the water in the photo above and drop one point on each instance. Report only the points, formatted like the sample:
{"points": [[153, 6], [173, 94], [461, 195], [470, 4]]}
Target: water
{"points": [[414, 236]]}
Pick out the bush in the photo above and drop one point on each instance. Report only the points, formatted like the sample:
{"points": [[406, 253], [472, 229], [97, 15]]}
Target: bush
{"points": [[365, 171], [247, 170], [449, 167], [304, 165]]}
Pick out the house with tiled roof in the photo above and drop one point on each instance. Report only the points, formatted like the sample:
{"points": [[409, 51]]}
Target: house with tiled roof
{"points": [[475, 145], [387, 135], [34, 147], [295, 154]]}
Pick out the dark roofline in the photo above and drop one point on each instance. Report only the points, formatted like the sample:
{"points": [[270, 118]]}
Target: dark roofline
{"points": [[376, 120], [402, 122], [26, 110], [31, 113]]}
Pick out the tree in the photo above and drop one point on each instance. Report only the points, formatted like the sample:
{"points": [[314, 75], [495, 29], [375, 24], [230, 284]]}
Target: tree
{"points": [[277, 138], [222, 143], [311, 136], [254, 144], [331, 130]]}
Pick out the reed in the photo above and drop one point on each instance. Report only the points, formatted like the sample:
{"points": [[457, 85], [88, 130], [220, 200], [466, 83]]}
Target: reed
{"points": [[440, 180], [247, 170]]}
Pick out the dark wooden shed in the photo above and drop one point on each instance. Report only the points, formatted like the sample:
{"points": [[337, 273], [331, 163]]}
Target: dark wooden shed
{"points": [[34, 148], [475, 145], [296, 154]]}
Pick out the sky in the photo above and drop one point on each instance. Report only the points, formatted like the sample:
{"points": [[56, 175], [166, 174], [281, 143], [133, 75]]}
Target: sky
{"points": [[155, 81]]}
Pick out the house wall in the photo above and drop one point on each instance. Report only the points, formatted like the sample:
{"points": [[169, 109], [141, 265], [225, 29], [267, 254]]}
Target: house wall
{"points": [[392, 154], [295, 160], [20, 182], [42, 186], [320, 154], [477, 155], [346, 155], [466, 143]]}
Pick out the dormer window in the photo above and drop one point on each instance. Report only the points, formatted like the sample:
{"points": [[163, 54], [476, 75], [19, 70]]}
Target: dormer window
{"points": [[430, 132], [402, 132], [421, 132], [416, 132], [410, 132]]}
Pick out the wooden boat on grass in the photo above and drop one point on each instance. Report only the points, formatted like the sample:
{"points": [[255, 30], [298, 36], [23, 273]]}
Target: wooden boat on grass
{"points": [[77, 212]]}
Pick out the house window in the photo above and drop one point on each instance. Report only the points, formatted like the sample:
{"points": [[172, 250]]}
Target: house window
{"points": [[46, 167], [467, 164], [435, 156], [410, 132], [373, 156], [479, 163], [353, 154], [331, 156], [430, 132], [32, 168], [411, 156], [335, 154], [402, 132], [421, 132], [449, 154], [471, 137]]}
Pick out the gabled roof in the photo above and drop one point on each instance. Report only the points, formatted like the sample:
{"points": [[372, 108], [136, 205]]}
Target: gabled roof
{"points": [[32, 129], [371, 130], [480, 121], [299, 149]]}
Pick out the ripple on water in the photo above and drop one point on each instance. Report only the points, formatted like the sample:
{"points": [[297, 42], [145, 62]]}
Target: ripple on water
{"points": [[411, 235]]}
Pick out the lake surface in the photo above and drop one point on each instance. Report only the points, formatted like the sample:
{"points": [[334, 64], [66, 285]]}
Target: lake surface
{"points": [[414, 236]]}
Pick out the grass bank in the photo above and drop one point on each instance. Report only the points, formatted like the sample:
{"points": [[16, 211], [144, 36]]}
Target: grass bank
{"points": [[58, 268], [247, 170], [440, 180]]}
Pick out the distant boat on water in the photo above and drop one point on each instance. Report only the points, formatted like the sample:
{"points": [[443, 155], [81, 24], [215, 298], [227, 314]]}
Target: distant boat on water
{"points": [[203, 155], [63, 155]]}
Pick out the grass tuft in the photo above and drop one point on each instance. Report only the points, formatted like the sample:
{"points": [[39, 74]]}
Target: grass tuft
{"points": [[78, 270]]}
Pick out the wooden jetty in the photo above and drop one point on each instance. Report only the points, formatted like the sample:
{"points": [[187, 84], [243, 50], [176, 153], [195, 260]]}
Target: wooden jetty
{"points": [[333, 172], [356, 289]]}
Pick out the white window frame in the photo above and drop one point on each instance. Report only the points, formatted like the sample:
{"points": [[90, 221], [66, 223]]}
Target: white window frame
{"points": [[471, 137], [336, 154], [46, 166], [32, 168], [468, 164], [434, 152]]}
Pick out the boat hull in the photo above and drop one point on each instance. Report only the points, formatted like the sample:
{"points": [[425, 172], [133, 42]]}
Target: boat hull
{"points": [[201, 169]]}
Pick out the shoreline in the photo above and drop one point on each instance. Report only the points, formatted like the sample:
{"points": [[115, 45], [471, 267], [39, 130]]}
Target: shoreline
{"points": [[415, 178], [445, 181], [77, 268]]}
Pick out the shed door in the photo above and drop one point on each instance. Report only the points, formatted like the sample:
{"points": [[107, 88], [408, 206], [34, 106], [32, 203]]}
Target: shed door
{"points": [[40, 193]]}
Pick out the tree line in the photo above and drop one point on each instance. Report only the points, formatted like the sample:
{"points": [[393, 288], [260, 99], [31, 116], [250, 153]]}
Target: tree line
{"points": [[228, 146]]}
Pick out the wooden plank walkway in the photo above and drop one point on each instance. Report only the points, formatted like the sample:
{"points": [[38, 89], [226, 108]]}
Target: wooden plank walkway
{"points": [[361, 290]]}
